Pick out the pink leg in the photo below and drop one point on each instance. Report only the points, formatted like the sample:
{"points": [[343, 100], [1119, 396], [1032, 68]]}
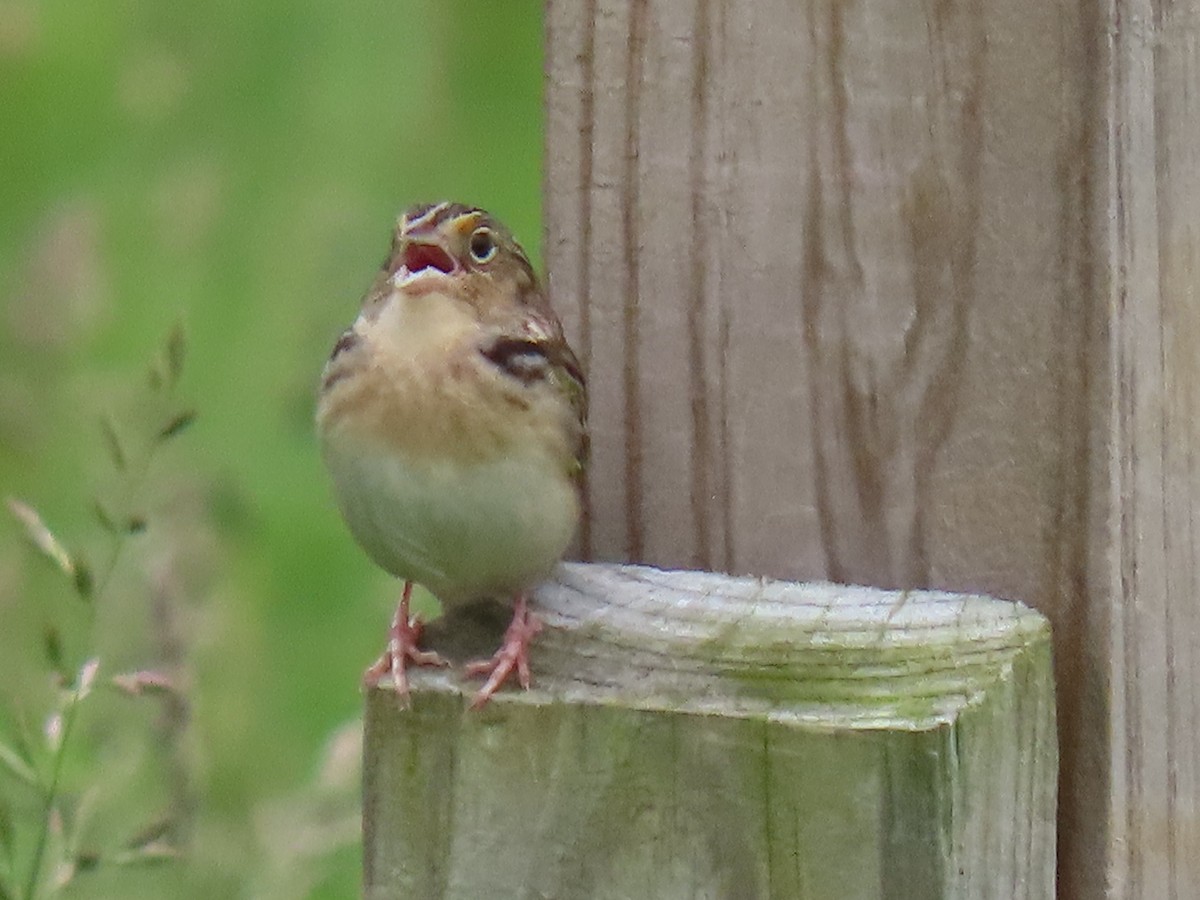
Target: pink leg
{"points": [[401, 648], [513, 654]]}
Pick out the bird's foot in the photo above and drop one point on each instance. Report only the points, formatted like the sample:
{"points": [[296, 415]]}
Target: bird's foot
{"points": [[402, 649], [513, 654]]}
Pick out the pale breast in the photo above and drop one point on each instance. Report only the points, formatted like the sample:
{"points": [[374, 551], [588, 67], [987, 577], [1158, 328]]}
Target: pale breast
{"points": [[447, 472], [462, 530]]}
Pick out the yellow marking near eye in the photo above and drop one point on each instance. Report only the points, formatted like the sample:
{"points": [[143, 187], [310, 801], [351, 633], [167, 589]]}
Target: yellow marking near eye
{"points": [[466, 223]]}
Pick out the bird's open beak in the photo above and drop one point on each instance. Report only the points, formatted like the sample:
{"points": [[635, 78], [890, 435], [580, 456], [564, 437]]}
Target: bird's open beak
{"points": [[422, 259]]}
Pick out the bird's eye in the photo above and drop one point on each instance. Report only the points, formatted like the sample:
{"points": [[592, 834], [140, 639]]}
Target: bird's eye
{"points": [[483, 245]]}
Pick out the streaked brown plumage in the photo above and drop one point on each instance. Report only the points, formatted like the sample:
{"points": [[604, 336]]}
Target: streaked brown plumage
{"points": [[452, 419]]}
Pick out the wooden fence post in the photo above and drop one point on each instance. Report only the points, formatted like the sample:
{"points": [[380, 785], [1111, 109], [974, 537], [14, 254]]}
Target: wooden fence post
{"points": [[909, 295], [696, 735], [906, 296]]}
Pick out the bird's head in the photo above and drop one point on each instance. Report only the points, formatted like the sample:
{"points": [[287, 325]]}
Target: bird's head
{"points": [[458, 249]]}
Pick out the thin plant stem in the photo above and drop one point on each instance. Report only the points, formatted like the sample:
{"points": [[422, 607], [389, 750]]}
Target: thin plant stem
{"points": [[163, 380], [52, 792], [137, 478]]}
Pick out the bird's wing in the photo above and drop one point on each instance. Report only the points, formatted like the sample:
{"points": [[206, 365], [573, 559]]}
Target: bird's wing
{"points": [[531, 349]]}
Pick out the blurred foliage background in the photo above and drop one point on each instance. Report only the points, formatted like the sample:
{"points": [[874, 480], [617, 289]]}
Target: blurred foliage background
{"points": [[235, 167]]}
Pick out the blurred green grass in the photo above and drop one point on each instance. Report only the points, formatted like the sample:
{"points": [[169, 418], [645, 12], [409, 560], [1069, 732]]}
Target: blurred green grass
{"points": [[235, 166]]}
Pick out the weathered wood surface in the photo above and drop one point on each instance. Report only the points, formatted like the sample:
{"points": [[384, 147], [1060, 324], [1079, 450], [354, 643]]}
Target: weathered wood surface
{"points": [[1151, 446], [907, 296], [693, 735]]}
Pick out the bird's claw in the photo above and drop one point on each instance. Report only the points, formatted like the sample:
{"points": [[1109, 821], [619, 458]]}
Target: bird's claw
{"points": [[513, 654], [402, 649]]}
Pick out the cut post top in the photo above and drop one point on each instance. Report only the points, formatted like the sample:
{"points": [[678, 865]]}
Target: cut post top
{"points": [[822, 655]]}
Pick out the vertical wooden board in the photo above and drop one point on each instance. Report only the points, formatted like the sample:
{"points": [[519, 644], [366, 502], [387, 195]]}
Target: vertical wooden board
{"points": [[662, 50], [1155, 521], [1178, 105], [895, 368], [762, 176], [850, 306]]}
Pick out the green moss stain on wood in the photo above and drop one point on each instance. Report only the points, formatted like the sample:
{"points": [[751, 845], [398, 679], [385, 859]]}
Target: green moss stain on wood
{"points": [[678, 745]]}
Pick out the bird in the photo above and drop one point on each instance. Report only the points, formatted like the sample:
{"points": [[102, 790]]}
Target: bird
{"points": [[452, 419]]}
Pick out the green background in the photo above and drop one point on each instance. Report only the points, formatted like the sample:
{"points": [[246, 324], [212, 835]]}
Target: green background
{"points": [[234, 166]]}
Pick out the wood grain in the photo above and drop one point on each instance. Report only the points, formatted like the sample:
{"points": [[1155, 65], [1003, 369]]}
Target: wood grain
{"points": [[1154, 437], [906, 296], [695, 735]]}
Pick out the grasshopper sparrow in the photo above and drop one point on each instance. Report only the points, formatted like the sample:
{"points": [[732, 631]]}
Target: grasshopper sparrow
{"points": [[451, 417]]}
